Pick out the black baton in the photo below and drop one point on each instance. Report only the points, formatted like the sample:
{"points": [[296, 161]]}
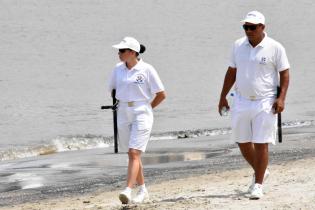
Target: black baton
{"points": [[279, 120], [114, 108]]}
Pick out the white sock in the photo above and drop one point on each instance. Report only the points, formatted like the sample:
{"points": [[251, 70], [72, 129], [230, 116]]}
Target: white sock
{"points": [[142, 187], [259, 185], [128, 189]]}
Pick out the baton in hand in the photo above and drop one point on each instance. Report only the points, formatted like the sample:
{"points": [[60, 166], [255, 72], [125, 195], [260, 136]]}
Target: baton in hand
{"points": [[114, 108], [279, 120]]}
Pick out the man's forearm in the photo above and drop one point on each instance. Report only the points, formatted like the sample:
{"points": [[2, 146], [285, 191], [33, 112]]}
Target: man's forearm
{"points": [[229, 81], [284, 83]]}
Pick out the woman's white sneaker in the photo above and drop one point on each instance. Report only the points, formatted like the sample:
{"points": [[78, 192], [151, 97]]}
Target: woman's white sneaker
{"points": [[141, 196], [125, 196], [257, 192]]}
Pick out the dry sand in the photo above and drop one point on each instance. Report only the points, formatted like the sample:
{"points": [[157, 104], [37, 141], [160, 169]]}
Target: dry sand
{"points": [[290, 186]]}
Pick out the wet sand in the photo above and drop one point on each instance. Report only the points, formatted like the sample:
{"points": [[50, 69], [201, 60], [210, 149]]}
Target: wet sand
{"points": [[205, 172], [290, 186]]}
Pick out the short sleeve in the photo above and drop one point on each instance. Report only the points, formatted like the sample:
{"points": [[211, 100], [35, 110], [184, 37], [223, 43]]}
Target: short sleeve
{"points": [[155, 82], [232, 62], [112, 81], [282, 62]]}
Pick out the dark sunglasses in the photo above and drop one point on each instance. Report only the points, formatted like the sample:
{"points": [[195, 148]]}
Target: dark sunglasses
{"points": [[122, 50], [250, 27]]}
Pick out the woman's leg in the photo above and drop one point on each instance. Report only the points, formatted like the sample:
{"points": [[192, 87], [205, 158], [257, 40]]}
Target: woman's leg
{"points": [[134, 166], [140, 177], [142, 194]]}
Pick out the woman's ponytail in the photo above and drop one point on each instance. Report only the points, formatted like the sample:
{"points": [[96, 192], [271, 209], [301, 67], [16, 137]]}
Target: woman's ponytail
{"points": [[142, 48]]}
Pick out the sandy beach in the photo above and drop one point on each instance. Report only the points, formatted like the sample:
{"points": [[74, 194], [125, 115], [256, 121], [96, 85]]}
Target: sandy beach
{"points": [[199, 173], [291, 186]]}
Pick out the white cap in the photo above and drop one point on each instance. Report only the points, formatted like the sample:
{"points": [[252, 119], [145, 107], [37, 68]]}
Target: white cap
{"points": [[254, 17], [128, 43]]}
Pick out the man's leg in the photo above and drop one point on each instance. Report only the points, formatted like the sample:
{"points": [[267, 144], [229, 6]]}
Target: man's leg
{"points": [[261, 161], [264, 132], [248, 152]]}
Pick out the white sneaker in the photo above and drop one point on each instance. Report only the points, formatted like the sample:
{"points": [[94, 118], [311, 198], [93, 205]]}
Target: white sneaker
{"points": [[257, 192], [141, 196], [266, 175], [125, 196]]}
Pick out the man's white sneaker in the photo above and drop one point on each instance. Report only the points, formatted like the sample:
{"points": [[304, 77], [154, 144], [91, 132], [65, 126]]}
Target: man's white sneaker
{"points": [[125, 196], [266, 175], [257, 192], [141, 196]]}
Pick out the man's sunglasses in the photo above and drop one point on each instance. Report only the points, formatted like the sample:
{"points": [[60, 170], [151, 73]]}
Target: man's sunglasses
{"points": [[250, 27], [122, 50]]}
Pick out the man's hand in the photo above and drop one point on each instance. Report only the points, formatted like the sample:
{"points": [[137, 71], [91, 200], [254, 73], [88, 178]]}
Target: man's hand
{"points": [[223, 102], [278, 106], [229, 80]]}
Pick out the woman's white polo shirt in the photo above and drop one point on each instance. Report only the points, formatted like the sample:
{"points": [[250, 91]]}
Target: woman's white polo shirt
{"points": [[137, 84]]}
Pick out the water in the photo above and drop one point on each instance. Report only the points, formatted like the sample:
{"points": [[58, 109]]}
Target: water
{"points": [[185, 156], [56, 57]]}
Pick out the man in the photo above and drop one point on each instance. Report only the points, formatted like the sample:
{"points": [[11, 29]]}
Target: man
{"points": [[256, 64]]}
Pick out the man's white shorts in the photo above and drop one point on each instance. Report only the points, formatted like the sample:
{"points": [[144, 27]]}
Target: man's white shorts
{"points": [[134, 125], [253, 121]]}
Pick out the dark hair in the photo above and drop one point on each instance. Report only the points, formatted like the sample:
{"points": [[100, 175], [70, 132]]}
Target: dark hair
{"points": [[142, 49]]}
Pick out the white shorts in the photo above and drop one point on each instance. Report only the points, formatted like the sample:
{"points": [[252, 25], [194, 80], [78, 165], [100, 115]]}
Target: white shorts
{"points": [[134, 125], [253, 121]]}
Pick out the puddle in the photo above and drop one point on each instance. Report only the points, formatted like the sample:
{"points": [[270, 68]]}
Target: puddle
{"points": [[6, 174], [26, 180], [60, 165], [70, 171], [9, 187], [32, 167], [182, 156]]}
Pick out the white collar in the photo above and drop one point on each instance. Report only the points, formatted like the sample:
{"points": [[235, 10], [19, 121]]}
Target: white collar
{"points": [[138, 66], [261, 44]]}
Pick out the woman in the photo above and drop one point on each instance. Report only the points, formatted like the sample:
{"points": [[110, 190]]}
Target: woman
{"points": [[136, 84]]}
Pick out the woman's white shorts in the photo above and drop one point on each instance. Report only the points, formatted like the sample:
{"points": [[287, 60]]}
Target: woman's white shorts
{"points": [[253, 121], [134, 124]]}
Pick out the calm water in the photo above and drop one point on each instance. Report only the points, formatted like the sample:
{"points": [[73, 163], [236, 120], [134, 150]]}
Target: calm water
{"points": [[56, 57]]}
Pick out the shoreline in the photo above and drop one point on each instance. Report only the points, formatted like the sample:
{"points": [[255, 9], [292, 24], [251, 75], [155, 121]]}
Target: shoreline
{"points": [[69, 176], [72, 143], [287, 188]]}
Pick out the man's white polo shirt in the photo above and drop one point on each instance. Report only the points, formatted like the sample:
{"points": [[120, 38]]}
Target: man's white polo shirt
{"points": [[137, 84], [257, 68]]}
